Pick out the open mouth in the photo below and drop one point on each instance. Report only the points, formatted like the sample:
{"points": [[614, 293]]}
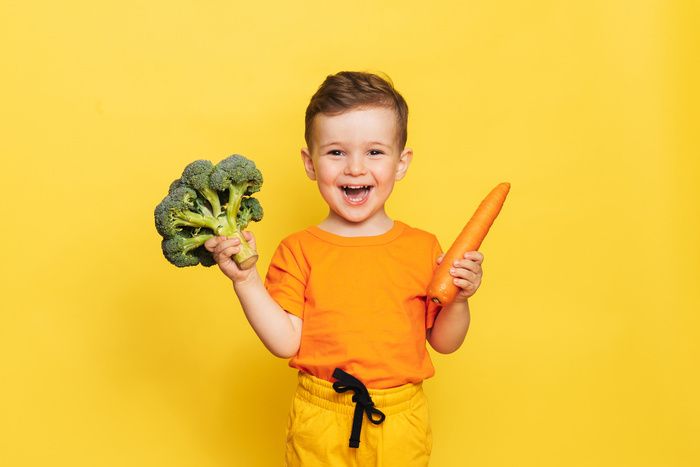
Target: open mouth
{"points": [[356, 194]]}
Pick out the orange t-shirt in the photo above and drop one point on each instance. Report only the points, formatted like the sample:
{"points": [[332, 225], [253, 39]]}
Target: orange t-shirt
{"points": [[363, 302]]}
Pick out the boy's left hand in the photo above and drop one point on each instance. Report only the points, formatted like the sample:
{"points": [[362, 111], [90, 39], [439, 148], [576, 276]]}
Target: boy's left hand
{"points": [[467, 274]]}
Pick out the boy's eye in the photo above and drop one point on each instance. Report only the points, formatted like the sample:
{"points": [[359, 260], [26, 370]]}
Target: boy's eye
{"points": [[338, 152]]}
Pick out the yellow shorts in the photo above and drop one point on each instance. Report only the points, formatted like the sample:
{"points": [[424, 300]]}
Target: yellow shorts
{"points": [[320, 423]]}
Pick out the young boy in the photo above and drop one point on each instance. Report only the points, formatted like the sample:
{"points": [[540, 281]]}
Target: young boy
{"points": [[346, 299]]}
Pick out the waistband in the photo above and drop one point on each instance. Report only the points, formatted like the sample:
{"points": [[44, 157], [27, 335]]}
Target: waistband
{"points": [[321, 393]]}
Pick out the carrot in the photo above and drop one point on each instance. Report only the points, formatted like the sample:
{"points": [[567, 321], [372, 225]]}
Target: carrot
{"points": [[442, 289]]}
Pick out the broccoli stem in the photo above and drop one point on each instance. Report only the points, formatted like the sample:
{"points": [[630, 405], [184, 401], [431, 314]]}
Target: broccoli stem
{"points": [[190, 244], [193, 219], [246, 256], [213, 198], [235, 196], [203, 209]]}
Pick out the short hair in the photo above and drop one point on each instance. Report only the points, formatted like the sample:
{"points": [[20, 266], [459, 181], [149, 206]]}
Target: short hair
{"points": [[346, 90]]}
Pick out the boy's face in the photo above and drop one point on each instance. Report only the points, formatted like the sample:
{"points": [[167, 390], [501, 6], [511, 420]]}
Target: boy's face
{"points": [[355, 159]]}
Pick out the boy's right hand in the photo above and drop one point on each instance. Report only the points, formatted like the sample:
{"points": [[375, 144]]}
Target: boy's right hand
{"points": [[223, 249]]}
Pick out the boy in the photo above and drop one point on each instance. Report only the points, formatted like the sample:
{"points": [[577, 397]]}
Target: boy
{"points": [[356, 285]]}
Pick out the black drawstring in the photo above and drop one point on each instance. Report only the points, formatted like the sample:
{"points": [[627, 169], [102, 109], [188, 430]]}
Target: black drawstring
{"points": [[363, 403]]}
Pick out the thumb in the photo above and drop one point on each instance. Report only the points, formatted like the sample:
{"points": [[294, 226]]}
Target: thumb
{"points": [[250, 238]]}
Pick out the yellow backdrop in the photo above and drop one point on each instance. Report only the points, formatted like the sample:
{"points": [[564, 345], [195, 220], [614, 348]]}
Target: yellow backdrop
{"points": [[583, 349]]}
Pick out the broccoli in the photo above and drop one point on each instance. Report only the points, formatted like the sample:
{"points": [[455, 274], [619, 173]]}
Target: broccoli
{"points": [[209, 200]]}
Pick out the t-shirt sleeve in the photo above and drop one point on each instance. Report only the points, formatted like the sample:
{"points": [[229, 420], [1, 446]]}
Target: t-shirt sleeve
{"points": [[285, 281], [432, 308]]}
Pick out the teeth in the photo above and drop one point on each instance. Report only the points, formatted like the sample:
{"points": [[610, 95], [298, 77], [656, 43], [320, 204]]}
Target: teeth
{"points": [[359, 196]]}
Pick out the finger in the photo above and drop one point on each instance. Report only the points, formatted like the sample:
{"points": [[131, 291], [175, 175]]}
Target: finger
{"points": [[467, 264], [224, 258], [233, 241], [464, 274], [211, 244], [475, 256], [230, 251], [227, 264], [226, 244], [463, 284], [250, 238], [213, 241]]}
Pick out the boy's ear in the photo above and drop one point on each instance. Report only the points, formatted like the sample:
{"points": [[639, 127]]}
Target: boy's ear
{"points": [[308, 163], [404, 161]]}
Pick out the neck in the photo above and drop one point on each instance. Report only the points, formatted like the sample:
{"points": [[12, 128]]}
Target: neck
{"points": [[378, 224]]}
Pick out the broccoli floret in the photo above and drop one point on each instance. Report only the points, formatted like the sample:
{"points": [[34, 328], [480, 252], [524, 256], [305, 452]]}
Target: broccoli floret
{"points": [[186, 251], [250, 210], [181, 208], [196, 175], [209, 200], [175, 184]]}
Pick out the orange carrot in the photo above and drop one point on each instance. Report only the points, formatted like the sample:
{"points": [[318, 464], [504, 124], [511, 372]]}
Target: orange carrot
{"points": [[442, 289]]}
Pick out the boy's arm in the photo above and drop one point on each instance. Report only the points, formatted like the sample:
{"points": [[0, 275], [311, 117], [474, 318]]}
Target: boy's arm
{"points": [[450, 327], [278, 330]]}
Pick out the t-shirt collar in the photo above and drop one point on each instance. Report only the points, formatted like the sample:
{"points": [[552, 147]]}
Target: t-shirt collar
{"points": [[380, 239]]}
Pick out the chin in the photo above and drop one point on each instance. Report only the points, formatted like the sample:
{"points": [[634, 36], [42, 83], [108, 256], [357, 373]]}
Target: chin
{"points": [[358, 217], [354, 218]]}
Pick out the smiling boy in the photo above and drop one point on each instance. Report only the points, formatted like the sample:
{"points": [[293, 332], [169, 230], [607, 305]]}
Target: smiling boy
{"points": [[346, 299]]}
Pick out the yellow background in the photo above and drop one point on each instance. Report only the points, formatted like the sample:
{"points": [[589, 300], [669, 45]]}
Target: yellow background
{"points": [[583, 349]]}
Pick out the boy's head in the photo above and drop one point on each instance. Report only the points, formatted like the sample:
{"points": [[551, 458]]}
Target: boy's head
{"points": [[347, 90], [356, 138]]}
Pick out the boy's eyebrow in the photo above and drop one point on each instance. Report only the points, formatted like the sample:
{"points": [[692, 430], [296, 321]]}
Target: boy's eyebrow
{"points": [[371, 142]]}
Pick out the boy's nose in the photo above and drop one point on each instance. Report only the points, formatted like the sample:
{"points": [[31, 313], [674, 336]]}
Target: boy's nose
{"points": [[355, 166]]}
